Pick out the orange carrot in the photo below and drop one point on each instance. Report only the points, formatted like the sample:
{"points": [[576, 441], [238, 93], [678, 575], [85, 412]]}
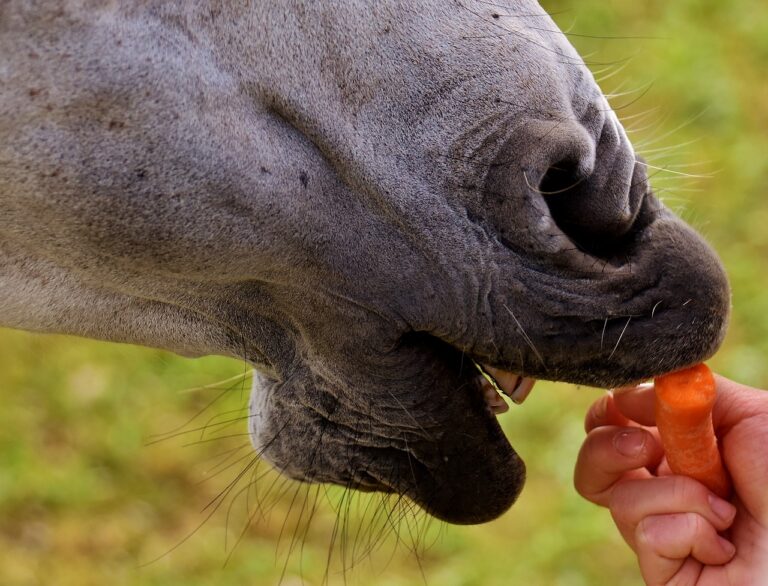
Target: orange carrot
{"points": [[684, 402]]}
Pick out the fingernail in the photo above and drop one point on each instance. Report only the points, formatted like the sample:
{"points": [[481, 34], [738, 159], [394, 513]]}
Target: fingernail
{"points": [[721, 508], [727, 546], [630, 443]]}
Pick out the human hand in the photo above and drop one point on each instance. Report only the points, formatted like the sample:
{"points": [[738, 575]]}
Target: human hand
{"points": [[680, 531]]}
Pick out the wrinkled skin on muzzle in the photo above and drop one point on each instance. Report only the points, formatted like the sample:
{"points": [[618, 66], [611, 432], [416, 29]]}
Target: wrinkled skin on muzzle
{"points": [[360, 200]]}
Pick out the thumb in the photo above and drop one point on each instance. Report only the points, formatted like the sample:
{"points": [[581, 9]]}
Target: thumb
{"points": [[736, 402], [740, 417]]}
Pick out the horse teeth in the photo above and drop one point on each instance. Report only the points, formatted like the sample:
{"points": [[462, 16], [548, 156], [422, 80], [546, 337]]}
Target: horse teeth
{"points": [[495, 380], [493, 400], [507, 381]]}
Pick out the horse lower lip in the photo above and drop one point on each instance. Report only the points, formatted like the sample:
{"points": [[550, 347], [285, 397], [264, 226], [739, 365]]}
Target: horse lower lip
{"points": [[523, 389]]}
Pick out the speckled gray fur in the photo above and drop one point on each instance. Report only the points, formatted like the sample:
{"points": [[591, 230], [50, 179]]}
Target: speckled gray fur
{"points": [[346, 194]]}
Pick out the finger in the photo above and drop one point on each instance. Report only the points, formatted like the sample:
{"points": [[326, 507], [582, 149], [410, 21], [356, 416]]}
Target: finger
{"points": [[689, 573], [736, 402], [634, 500], [636, 403], [663, 542], [740, 417], [610, 454], [604, 412], [744, 453], [663, 468]]}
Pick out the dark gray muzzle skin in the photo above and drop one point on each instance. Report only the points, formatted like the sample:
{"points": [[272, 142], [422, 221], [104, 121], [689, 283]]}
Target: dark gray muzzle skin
{"points": [[359, 199]]}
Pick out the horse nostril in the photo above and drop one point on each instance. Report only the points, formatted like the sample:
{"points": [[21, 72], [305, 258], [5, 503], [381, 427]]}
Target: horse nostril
{"points": [[597, 210], [560, 189], [597, 215], [560, 179], [583, 177]]}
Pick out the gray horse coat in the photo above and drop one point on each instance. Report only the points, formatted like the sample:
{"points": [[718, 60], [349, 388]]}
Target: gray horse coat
{"points": [[359, 198]]}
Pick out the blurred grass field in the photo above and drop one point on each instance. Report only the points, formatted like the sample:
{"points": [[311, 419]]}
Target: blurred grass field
{"points": [[86, 498]]}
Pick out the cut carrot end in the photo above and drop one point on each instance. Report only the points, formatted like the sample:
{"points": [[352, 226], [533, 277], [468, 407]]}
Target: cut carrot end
{"points": [[692, 387], [684, 403]]}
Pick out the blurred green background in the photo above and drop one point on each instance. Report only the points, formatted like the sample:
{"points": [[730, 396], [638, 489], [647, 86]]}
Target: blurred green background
{"points": [[87, 498]]}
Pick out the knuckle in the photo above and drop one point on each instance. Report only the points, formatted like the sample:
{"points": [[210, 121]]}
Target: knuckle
{"points": [[693, 525], [652, 533], [621, 501], [645, 534]]}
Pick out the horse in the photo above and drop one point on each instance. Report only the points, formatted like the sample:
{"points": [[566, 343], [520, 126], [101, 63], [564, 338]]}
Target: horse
{"points": [[391, 210]]}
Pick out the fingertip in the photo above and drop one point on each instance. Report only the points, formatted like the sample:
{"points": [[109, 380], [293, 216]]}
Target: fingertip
{"points": [[724, 510], [597, 413], [676, 536], [630, 442], [663, 468], [600, 462], [655, 451], [638, 445], [729, 550], [604, 412], [636, 403]]}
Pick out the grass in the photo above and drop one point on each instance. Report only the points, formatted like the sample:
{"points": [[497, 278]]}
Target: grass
{"points": [[86, 498]]}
